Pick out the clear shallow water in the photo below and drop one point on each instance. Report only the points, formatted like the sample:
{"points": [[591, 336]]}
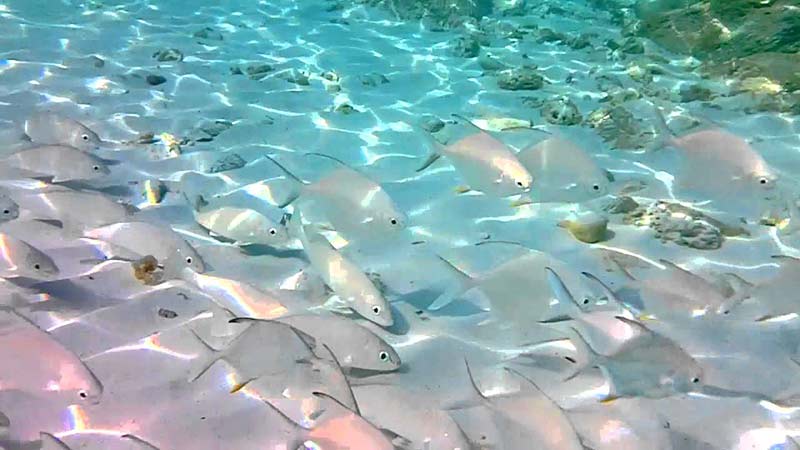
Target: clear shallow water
{"points": [[98, 63]]}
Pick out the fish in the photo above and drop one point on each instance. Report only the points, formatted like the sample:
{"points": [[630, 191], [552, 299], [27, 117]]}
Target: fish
{"points": [[41, 364], [528, 416], [647, 365], [50, 128], [265, 346], [564, 172], [338, 427], [9, 209], [146, 238], [411, 415], [293, 387], [242, 298], [355, 347], [21, 259], [770, 296], [244, 226], [718, 164], [352, 202], [60, 162], [516, 289], [344, 277], [50, 442], [676, 290], [76, 210], [485, 163]]}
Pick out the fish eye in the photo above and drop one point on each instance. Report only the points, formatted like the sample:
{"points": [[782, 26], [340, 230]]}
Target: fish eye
{"points": [[85, 137], [6, 211], [37, 266], [273, 231], [695, 380], [83, 394], [376, 310], [586, 300], [189, 260], [393, 221], [95, 167], [520, 184], [383, 356], [596, 187], [763, 180]]}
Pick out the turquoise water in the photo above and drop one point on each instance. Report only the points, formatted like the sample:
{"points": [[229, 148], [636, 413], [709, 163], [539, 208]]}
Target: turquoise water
{"points": [[168, 167]]}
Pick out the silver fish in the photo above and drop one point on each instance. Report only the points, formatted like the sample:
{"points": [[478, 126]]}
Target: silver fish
{"points": [[346, 279], [415, 417], [564, 172], [9, 210], [60, 162], [242, 225], [349, 200], [264, 347], [50, 128], [150, 239], [529, 416], [354, 346], [76, 210], [51, 368], [486, 164], [20, 259]]}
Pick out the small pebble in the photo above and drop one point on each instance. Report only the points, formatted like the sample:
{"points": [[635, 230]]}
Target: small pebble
{"points": [[155, 80]]}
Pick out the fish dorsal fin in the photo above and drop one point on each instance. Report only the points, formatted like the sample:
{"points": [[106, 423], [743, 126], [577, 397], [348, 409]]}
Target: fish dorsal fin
{"points": [[560, 290], [477, 128], [532, 386], [499, 241], [463, 284], [786, 258], [472, 382], [332, 158], [671, 265], [50, 442], [294, 195], [607, 292], [349, 387], [142, 443]]}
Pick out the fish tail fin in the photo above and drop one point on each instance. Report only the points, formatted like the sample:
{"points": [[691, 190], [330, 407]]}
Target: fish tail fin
{"points": [[463, 284], [664, 136], [589, 357], [436, 150], [139, 441], [196, 201], [295, 194], [792, 223], [204, 363], [50, 441]]}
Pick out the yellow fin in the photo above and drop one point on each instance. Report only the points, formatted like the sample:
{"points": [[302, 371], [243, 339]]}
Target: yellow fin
{"points": [[521, 202], [462, 189], [610, 399]]}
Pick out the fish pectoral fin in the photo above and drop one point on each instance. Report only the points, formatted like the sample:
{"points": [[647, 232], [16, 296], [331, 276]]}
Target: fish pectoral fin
{"points": [[611, 398], [462, 189], [240, 385]]}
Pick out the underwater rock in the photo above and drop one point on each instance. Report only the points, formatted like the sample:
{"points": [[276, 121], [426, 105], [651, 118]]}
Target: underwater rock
{"points": [[444, 13], [431, 124], [256, 71], [617, 126], [155, 80], [632, 46], [372, 79], [208, 33], [587, 227], [684, 226], [295, 76], [620, 96], [207, 131], [510, 7], [694, 93], [465, 47], [168, 55], [621, 205], [548, 35], [346, 109], [523, 78], [561, 111], [228, 162], [580, 42]]}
